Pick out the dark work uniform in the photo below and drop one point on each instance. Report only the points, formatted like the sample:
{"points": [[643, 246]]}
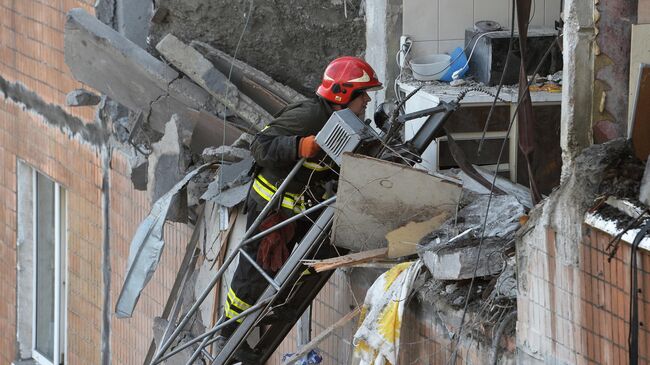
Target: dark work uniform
{"points": [[275, 150]]}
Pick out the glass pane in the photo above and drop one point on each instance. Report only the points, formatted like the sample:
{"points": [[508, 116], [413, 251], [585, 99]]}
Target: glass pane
{"points": [[45, 261]]}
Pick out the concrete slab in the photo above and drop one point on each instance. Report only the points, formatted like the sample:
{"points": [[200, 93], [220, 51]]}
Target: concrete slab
{"points": [[261, 88], [459, 262], [201, 71], [376, 197], [105, 60], [167, 165], [81, 97]]}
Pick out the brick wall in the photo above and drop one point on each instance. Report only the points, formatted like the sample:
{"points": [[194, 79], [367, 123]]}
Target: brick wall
{"points": [[130, 338], [579, 314], [31, 49], [76, 166]]}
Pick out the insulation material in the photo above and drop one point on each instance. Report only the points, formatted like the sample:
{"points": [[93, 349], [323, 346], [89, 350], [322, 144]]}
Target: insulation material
{"points": [[377, 339], [146, 247]]}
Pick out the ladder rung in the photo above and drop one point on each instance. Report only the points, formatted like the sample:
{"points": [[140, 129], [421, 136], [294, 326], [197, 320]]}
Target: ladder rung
{"points": [[260, 270]]}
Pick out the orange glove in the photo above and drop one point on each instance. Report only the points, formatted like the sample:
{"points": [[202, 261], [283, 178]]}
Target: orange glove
{"points": [[307, 147]]}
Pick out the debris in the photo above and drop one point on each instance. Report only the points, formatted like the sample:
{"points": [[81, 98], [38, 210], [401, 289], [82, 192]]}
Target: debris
{"points": [[644, 191], [346, 260], [506, 285], [226, 154], [521, 192], [458, 262], [159, 325], [232, 197], [378, 337], [403, 241], [81, 97], [167, 165], [210, 131], [313, 357], [321, 337], [159, 15], [201, 71], [375, 197], [145, 249], [229, 176], [244, 141], [457, 82], [105, 60], [262, 89], [139, 175]]}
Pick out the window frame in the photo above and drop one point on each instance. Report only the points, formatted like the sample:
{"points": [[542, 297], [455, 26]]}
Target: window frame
{"points": [[60, 271]]}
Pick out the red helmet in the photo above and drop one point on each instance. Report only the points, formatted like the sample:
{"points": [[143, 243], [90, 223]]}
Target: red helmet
{"points": [[344, 76]]}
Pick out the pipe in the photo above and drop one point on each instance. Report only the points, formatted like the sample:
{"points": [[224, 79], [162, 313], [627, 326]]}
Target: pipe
{"points": [[494, 349]]}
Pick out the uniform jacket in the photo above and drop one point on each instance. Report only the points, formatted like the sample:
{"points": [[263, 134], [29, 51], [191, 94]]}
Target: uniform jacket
{"points": [[275, 150]]}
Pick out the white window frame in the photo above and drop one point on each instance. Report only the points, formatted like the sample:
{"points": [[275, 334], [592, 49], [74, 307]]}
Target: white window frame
{"points": [[60, 271]]}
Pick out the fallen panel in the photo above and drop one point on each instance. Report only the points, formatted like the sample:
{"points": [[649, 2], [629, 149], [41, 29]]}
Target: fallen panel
{"points": [[375, 197], [145, 249], [459, 262], [261, 88], [201, 71], [105, 60]]}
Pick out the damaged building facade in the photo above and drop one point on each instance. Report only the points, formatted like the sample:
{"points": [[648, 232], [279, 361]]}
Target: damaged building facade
{"points": [[108, 105]]}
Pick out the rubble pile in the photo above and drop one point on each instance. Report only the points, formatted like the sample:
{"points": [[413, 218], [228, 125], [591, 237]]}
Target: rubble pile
{"points": [[471, 279]]}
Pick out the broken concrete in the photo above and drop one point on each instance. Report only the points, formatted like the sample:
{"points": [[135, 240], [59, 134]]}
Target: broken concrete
{"points": [[261, 88], [244, 141], [229, 176], [81, 97], [140, 175], [502, 221], [201, 71], [227, 154], [167, 165], [459, 261], [105, 60], [159, 325], [506, 285]]}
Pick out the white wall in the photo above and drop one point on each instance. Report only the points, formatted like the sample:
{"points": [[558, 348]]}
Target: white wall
{"points": [[438, 26]]}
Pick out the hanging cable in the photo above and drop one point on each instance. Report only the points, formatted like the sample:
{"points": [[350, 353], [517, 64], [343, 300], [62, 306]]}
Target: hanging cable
{"points": [[458, 335]]}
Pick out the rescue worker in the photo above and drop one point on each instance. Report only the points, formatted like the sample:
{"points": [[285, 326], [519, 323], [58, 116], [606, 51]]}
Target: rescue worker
{"points": [[276, 149]]}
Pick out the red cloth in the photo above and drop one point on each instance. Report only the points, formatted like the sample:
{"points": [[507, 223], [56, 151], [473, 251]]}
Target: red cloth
{"points": [[273, 250]]}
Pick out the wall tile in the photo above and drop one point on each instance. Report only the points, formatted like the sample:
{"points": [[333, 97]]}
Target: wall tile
{"points": [[420, 19], [497, 10], [455, 16]]}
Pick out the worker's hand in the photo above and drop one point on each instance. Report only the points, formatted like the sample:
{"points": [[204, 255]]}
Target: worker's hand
{"points": [[307, 147]]}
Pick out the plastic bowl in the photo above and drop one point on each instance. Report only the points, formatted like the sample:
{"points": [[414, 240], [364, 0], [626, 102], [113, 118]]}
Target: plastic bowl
{"points": [[430, 67]]}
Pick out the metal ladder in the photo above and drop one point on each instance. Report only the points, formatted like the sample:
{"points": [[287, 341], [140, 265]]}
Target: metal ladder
{"points": [[287, 288]]}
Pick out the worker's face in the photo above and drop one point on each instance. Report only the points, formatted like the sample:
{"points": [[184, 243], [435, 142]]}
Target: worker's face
{"points": [[358, 104]]}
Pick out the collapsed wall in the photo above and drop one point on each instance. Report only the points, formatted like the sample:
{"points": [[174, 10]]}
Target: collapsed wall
{"points": [[291, 41]]}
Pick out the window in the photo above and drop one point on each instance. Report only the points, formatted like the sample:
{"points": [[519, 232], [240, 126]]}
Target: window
{"points": [[41, 278], [49, 270]]}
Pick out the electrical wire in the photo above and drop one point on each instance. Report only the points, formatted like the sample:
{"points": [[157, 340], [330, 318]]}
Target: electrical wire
{"points": [[487, 209]]}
